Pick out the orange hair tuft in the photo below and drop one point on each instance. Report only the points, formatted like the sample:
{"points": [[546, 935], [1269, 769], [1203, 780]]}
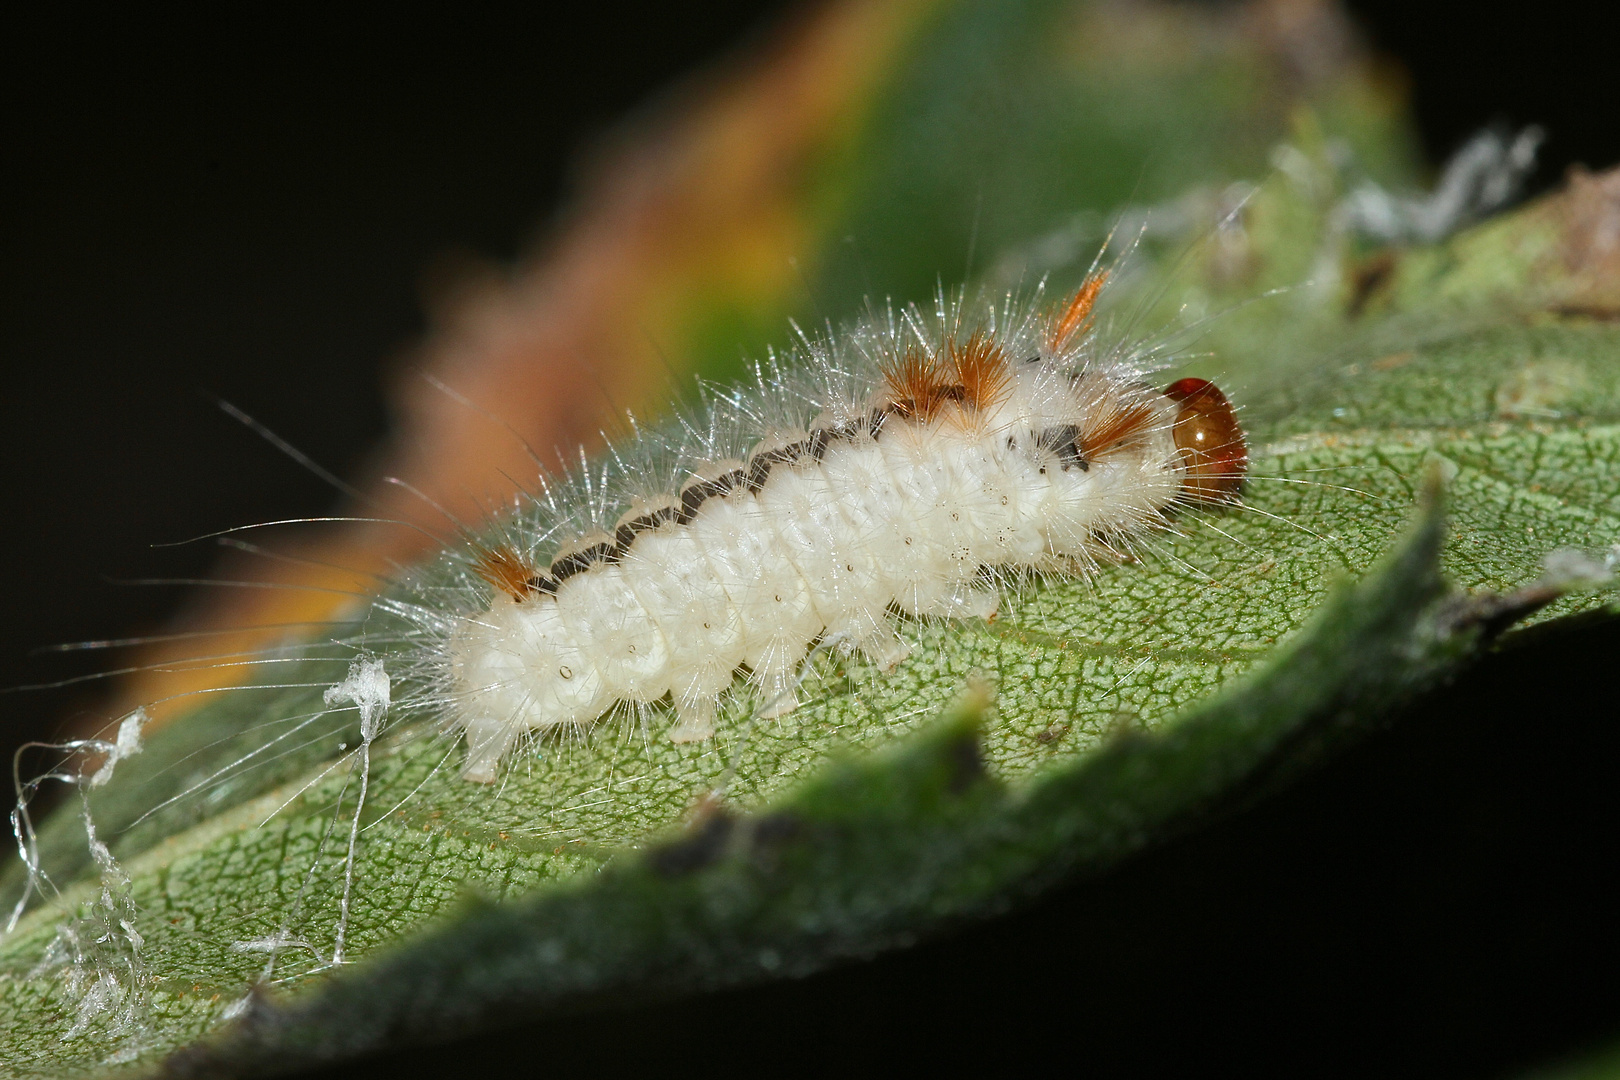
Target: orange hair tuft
{"points": [[1074, 318], [914, 384], [981, 368], [503, 568], [974, 373], [1113, 427]]}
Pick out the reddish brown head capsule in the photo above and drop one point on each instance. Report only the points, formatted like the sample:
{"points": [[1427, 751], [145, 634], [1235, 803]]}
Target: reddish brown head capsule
{"points": [[1210, 440]]}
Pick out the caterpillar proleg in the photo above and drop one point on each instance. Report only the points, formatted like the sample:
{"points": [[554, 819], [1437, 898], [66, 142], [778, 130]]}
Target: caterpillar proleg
{"points": [[912, 465]]}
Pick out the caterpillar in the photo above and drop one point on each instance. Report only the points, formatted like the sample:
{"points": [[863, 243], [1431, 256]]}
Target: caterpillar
{"points": [[912, 466]]}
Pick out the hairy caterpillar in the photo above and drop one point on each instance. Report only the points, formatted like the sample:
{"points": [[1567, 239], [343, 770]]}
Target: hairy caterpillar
{"points": [[912, 464]]}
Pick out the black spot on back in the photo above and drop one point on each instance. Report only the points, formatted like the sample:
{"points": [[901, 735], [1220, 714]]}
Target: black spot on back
{"points": [[1064, 442]]}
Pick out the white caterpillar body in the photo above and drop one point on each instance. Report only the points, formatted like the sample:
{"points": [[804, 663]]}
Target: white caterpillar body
{"points": [[911, 464]]}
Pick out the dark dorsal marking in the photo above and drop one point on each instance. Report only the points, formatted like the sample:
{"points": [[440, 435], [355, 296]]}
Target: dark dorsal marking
{"points": [[752, 479], [1064, 442], [539, 583], [580, 561], [694, 495], [870, 424], [909, 408], [815, 446], [759, 468], [625, 534]]}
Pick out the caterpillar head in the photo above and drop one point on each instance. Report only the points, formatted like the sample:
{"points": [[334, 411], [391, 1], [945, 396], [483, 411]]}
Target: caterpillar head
{"points": [[1209, 441]]}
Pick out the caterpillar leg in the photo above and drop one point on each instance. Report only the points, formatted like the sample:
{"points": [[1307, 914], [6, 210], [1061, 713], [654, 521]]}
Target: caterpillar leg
{"points": [[694, 720], [966, 603], [884, 648], [870, 632], [981, 604], [487, 742], [778, 691]]}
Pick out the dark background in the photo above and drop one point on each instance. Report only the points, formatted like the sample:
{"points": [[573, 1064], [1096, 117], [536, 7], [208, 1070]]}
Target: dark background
{"points": [[252, 210]]}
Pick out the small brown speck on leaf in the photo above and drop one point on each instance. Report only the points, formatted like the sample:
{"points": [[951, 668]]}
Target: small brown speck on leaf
{"points": [[1591, 248], [1052, 734], [1367, 278]]}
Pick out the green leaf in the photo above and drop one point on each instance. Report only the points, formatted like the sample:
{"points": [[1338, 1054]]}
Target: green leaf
{"points": [[1602, 1064], [877, 848], [1091, 719]]}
